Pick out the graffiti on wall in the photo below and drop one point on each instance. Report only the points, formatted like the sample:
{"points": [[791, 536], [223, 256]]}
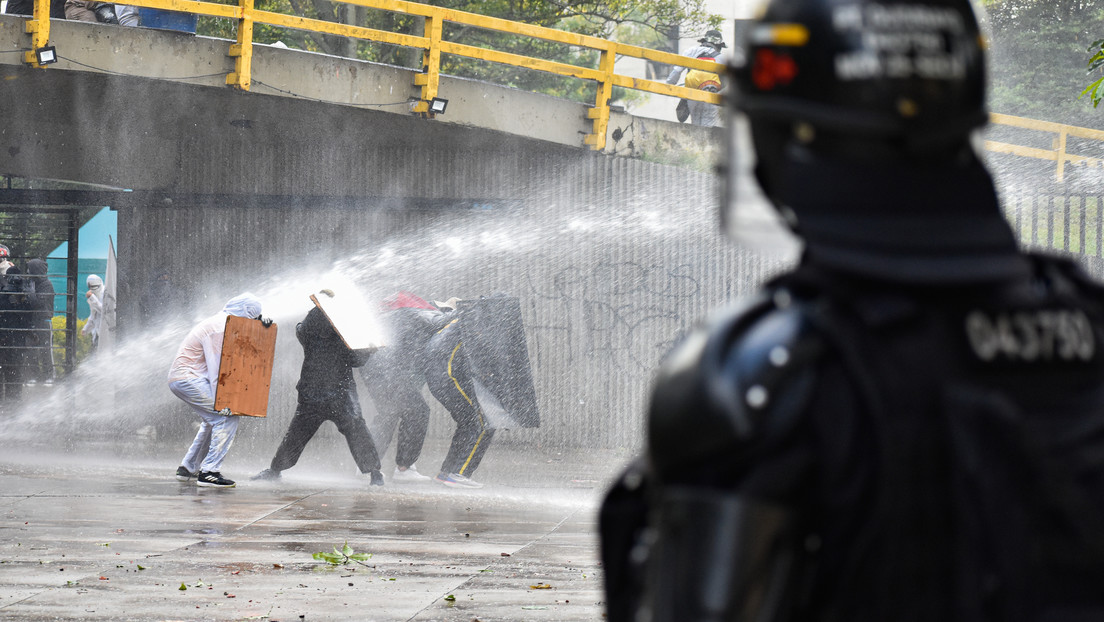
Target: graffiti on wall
{"points": [[624, 315]]}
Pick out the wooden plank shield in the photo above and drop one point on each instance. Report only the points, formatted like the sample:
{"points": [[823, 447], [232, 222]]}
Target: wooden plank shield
{"points": [[353, 318], [245, 373]]}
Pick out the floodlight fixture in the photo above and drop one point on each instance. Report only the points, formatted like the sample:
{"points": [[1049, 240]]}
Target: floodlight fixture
{"points": [[437, 105], [46, 55]]}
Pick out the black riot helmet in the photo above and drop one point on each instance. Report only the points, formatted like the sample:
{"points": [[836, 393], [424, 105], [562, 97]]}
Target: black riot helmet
{"points": [[907, 73], [861, 114]]}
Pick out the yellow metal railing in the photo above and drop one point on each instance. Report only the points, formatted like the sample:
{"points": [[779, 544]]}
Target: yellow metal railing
{"points": [[1057, 153], [432, 45]]}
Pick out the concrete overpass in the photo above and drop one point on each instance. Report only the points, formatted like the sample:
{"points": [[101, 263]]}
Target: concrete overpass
{"points": [[149, 109]]}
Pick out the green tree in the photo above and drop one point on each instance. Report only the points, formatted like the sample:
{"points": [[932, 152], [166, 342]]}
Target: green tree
{"points": [[1095, 89], [643, 22], [1037, 56]]}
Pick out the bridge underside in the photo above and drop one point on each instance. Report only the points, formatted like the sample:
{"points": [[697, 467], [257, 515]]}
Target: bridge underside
{"points": [[147, 134]]}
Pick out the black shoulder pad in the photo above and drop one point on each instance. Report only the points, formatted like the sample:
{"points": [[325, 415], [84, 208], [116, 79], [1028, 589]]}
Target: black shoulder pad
{"points": [[739, 383]]}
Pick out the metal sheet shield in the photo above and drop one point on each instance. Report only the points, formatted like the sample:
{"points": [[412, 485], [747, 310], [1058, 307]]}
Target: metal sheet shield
{"points": [[494, 338]]}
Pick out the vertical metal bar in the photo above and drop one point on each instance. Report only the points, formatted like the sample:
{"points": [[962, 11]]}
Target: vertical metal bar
{"points": [[1019, 218], [38, 26], [430, 78], [1099, 210], [600, 113], [242, 51], [1066, 201], [1035, 221], [1051, 202], [1083, 224], [71, 268], [1062, 154]]}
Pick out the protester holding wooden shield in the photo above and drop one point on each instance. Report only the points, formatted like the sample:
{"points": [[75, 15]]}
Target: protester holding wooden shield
{"points": [[193, 376]]}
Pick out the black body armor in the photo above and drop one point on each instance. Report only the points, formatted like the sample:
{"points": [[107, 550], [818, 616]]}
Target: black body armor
{"points": [[852, 450]]}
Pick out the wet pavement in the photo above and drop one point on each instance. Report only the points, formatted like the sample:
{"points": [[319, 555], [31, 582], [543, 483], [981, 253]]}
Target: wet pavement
{"points": [[89, 540]]}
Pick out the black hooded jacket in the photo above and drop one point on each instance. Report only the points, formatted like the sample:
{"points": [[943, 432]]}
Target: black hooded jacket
{"points": [[327, 361]]}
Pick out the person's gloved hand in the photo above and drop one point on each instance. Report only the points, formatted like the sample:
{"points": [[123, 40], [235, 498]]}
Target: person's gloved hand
{"points": [[265, 321], [225, 412]]}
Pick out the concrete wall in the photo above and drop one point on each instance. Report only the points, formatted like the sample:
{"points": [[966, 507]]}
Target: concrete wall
{"points": [[613, 260]]}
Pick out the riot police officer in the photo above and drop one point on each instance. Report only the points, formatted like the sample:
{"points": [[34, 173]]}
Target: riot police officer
{"points": [[909, 425]]}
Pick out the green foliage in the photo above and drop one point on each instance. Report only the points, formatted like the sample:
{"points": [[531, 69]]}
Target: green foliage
{"points": [[642, 22], [84, 343], [344, 556], [1096, 61], [1037, 58]]}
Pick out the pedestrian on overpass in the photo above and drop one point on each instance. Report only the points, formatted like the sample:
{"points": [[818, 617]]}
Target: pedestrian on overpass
{"points": [[709, 48], [909, 424]]}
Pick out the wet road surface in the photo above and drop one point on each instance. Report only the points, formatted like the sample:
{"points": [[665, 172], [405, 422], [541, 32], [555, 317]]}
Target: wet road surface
{"points": [[82, 541]]}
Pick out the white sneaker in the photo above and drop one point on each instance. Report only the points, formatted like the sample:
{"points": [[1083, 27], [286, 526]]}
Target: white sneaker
{"points": [[409, 476], [455, 480]]}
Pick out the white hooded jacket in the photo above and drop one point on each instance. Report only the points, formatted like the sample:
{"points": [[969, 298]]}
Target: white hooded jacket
{"points": [[95, 304], [201, 351]]}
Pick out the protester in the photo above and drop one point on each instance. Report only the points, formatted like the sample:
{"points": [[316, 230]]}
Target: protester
{"points": [[327, 392], [700, 113], [907, 425], [394, 377], [193, 378], [448, 375]]}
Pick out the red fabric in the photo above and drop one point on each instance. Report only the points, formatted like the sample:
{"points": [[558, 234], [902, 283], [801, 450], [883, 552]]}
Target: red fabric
{"points": [[404, 300]]}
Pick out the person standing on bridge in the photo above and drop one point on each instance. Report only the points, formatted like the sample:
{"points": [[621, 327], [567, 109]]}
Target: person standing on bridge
{"points": [[909, 424], [701, 113]]}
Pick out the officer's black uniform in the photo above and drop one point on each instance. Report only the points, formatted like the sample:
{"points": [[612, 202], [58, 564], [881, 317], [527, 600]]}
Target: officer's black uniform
{"points": [[909, 426], [327, 392], [17, 318]]}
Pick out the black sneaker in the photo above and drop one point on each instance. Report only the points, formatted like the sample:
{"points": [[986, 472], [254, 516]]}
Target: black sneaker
{"points": [[377, 479], [214, 479], [184, 474], [267, 474]]}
